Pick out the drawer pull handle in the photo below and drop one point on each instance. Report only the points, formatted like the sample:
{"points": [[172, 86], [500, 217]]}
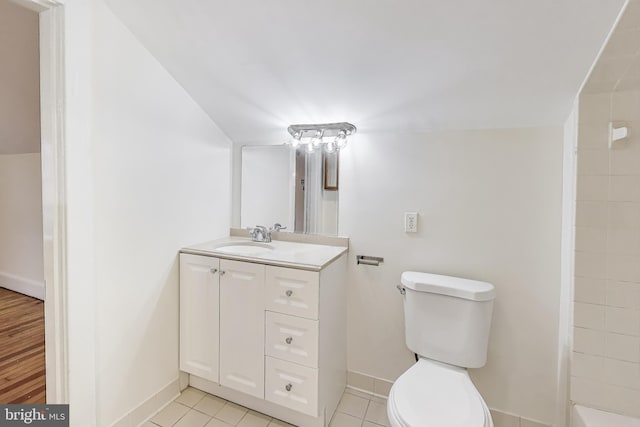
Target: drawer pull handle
{"points": [[213, 270], [289, 292], [289, 340], [222, 272], [288, 387]]}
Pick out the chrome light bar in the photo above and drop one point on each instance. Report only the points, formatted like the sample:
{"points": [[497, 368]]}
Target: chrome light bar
{"points": [[332, 135]]}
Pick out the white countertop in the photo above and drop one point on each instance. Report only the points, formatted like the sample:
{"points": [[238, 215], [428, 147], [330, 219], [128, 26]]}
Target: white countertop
{"points": [[306, 256]]}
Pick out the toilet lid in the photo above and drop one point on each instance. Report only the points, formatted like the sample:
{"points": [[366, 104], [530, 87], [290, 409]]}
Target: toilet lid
{"points": [[435, 394]]}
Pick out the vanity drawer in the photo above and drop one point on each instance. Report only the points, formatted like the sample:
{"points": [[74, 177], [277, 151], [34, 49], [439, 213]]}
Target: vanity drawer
{"points": [[292, 291], [292, 338], [291, 385]]}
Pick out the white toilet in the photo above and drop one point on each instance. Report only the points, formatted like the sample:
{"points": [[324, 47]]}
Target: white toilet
{"points": [[447, 322]]}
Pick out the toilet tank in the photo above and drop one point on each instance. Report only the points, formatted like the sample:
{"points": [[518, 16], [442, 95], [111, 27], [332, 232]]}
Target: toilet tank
{"points": [[447, 318]]}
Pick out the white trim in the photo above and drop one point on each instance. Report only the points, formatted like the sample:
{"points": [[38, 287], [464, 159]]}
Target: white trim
{"points": [[38, 5], [567, 261], [53, 197], [148, 408], [23, 285], [369, 384]]}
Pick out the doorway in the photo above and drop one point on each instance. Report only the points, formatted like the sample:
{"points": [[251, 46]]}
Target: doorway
{"points": [[22, 288], [50, 15]]}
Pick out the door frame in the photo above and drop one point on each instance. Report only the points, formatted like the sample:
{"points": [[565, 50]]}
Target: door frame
{"points": [[52, 120]]}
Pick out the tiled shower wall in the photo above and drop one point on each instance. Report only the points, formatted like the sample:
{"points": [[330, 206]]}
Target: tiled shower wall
{"points": [[605, 368]]}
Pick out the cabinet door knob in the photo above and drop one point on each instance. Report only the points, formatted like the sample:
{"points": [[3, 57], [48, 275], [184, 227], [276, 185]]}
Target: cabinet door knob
{"points": [[222, 272], [213, 270], [289, 292], [289, 340], [288, 387]]}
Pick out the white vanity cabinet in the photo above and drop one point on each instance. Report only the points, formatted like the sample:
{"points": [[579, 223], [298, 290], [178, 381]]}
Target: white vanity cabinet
{"points": [[268, 337]]}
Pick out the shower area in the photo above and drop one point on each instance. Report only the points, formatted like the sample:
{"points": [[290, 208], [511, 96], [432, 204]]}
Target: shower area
{"points": [[605, 356]]}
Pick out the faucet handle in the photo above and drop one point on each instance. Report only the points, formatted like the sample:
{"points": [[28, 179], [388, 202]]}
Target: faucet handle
{"points": [[253, 232], [277, 227]]}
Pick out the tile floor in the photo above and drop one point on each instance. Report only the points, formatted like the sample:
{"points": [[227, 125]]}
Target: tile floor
{"points": [[195, 408]]}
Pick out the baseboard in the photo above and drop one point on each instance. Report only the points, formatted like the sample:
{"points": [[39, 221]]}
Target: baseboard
{"points": [[505, 419], [380, 387], [368, 384], [147, 409], [30, 287]]}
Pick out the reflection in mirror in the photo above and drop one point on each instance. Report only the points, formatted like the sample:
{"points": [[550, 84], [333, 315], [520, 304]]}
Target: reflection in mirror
{"points": [[289, 187], [331, 170], [267, 184]]}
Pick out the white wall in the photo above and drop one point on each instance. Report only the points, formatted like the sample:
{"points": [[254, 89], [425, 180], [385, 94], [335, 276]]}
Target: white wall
{"points": [[148, 172], [489, 204], [21, 265], [78, 198], [19, 80], [162, 181]]}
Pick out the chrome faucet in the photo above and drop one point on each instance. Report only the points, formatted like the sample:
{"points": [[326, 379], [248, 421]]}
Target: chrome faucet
{"points": [[259, 233]]}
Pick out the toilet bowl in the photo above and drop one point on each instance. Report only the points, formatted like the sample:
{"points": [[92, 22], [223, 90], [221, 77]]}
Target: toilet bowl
{"points": [[447, 322], [434, 394]]}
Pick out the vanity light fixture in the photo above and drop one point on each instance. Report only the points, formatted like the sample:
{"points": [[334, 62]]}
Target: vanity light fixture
{"points": [[333, 136]]}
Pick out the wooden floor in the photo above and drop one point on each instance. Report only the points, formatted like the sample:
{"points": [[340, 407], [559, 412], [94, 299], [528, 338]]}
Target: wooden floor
{"points": [[22, 375]]}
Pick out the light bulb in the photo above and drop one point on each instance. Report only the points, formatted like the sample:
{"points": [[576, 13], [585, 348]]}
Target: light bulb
{"points": [[310, 148], [295, 141], [317, 139], [341, 140], [330, 147]]}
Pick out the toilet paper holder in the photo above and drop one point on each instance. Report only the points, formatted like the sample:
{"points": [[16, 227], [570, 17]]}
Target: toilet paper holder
{"points": [[369, 260]]}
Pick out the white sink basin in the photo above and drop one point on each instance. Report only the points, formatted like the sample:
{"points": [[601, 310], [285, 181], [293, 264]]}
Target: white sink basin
{"points": [[245, 248]]}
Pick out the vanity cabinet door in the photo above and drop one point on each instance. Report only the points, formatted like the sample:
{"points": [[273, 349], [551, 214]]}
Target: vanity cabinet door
{"points": [[242, 327], [199, 315]]}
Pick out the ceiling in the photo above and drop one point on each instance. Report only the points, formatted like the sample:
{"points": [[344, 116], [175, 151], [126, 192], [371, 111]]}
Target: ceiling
{"points": [[404, 65], [618, 67]]}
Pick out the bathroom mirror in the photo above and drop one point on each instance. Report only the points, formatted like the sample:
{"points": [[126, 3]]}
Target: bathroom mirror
{"points": [[287, 186]]}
